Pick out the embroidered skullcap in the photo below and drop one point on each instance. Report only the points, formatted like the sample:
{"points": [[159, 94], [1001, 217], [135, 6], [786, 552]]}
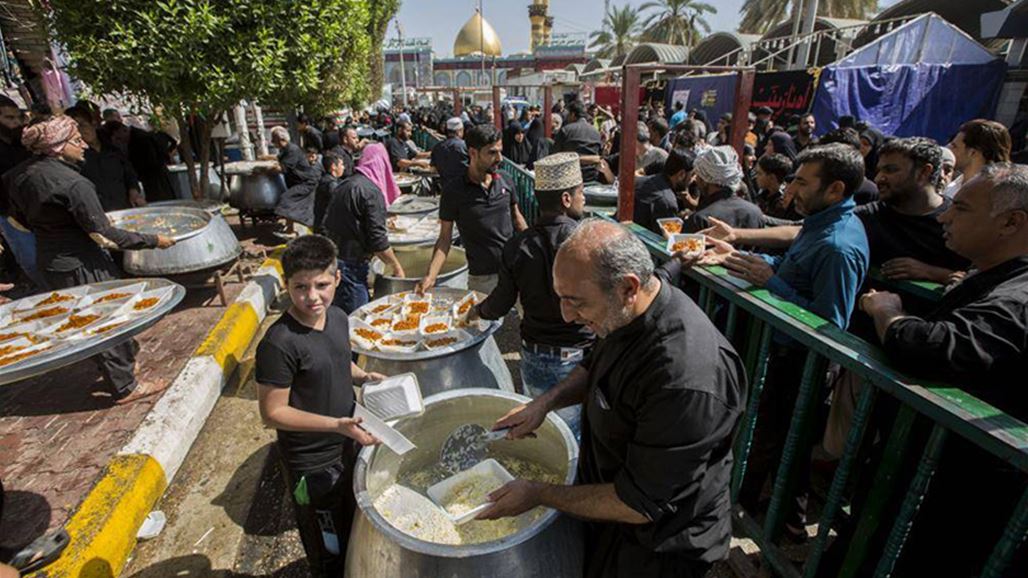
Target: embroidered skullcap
{"points": [[558, 172]]}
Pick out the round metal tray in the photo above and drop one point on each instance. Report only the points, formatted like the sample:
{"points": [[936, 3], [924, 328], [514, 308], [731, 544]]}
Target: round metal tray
{"points": [[69, 352], [425, 239], [172, 216], [413, 205], [406, 180], [601, 194], [477, 336]]}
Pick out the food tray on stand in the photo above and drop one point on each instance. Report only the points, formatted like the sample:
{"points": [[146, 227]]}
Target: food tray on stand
{"points": [[81, 343]]}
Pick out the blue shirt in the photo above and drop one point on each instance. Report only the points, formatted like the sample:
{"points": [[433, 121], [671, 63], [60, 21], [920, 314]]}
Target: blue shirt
{"points": [[826, 265], [676, 118]]}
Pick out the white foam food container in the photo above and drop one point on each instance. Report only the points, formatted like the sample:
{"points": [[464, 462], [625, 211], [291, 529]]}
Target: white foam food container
{"points": [[366, 341], [386, 309], [427, 322], [382, 323], [470, 300], [13, 346], [17, 331], [395, 397], [71, 298], [375, 426], [680, 237], [408, 332], [415, 305], [106, 325], [57, 329], [118, 295], [670, 223], [37, 348], [135, 305], [494, 474], [20, 320], [457, 334], [408, 343]]}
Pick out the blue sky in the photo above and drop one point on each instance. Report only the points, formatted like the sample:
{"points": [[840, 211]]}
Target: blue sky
{"points": [[442, 19]]}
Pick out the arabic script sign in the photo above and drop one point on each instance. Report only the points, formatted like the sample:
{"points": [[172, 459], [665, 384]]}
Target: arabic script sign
{"points": [[785, 93]]}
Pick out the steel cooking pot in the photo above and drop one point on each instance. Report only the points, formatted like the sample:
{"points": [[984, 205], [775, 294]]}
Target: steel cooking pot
{"points": [[180, 181], [212, 246], [551, 545], [252, 188], [415, 260]]}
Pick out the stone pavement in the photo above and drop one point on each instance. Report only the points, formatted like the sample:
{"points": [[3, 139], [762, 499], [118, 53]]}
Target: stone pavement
{"points": [[58, 431]]}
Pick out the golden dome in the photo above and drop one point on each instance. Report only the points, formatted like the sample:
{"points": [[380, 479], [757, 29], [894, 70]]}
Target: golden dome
{"points": [[475, 37]]}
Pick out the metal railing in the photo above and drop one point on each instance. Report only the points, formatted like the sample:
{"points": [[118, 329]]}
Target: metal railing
{"points": [[951, 411], [524, 185]]}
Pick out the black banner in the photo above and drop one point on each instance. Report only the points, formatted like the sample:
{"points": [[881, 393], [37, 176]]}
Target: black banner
{"points": [[787, 92]]}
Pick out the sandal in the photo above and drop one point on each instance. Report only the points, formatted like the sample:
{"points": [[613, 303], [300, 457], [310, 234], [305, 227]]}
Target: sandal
{"points": [[42, 552]]}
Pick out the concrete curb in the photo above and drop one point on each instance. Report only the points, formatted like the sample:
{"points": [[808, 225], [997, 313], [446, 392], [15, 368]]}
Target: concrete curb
{"points": [[103, 528]]}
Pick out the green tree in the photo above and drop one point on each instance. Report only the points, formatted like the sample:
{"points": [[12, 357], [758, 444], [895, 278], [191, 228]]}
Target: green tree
{"points": [[680, 22], [382, 11], [620, 31], [195, 59], [758, 16]]}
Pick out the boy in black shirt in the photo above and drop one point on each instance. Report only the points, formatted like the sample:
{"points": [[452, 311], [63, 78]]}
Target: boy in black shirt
{"points": [[305, 380]]}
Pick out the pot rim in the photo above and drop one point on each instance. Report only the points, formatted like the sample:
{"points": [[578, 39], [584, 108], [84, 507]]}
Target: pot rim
{"points": [[366, 504]]}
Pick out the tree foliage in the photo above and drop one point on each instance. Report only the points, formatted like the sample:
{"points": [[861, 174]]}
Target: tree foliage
{"points": [[758, 16], [679, 22], [196, 59], [620, 31]]}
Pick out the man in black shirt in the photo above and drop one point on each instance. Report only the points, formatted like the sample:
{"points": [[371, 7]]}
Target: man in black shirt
{"points": [[116, 183], [310, 136], [21, 243], [579, 136], [348, 149], [772, 172], [334, 168], [450, 157], [805, 132], [484, 208], [355, 220], [657, 196], [305, 385], [550, 346], [718, 177], [297, 203], [975, 338], [867, 192], [662, 390], [401, 155]]}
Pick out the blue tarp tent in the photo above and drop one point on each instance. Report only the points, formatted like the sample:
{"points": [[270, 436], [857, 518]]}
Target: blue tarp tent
{"points": [[925, 78]]}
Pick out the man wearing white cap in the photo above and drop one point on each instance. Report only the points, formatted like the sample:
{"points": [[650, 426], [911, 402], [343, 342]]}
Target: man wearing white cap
{"points": [[718, 176], [450, 157], [550, 347]]}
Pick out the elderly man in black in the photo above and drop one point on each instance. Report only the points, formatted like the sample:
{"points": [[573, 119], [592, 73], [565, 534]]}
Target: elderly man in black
{"points": [[51, 198], [975, 338], [550, 346], [296, 204], [662, 391], [579, 136], [657, 197], [450, 157], [718, 176], [483, 206]]}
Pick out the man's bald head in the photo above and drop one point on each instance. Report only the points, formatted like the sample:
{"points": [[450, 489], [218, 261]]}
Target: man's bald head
{"points": [[610, 250]]}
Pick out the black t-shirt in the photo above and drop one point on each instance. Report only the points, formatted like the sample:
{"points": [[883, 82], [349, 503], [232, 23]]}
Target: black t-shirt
{"points": [[315, 366], [735, 211], [11, 155], [297, 171], [450, 158], [866, 193], [483, 218], [582, 138], [891, 235], [654, 200], [398, 150], [355, 219], [113, 176]]}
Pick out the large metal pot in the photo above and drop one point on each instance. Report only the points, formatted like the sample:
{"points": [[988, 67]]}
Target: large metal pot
{"points": [[253, 189], [182, 188], [415, 260], [551, 545], [214, 245]]}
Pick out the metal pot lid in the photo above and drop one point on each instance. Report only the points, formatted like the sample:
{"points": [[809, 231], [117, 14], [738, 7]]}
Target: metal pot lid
{"points": [[179, 223], [210, 205], [415, 229], [406, 179], [472, 335], [413, 204], [130, 311], [248, 167]]}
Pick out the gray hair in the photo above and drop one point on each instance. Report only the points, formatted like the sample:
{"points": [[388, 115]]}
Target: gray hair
{"points": [[614, 256], [281, 133], [1009, 186]]}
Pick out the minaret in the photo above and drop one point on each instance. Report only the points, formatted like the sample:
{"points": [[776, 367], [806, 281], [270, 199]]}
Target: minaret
{"points": [[537, 14]]}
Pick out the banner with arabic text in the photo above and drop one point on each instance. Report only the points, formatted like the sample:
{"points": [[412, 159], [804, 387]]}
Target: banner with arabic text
{"points": [[786, 93]]}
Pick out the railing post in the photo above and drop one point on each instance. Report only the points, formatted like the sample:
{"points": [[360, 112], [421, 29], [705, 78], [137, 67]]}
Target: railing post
{"points": [[629, 129], [547, 106], [757, 362], [458, 106], [497, 115], [741, 110], [1013, 536]]}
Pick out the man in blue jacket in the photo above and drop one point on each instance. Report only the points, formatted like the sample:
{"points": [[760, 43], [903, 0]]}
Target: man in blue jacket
{"points": [[821, 272]]}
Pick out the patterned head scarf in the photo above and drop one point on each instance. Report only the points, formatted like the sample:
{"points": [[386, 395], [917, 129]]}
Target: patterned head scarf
{"points": [[719, 166], [48, 138], [375, 165]]}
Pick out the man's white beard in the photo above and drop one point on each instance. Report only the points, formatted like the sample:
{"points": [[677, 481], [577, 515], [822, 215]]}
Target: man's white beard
{"points": [[619, 316]]}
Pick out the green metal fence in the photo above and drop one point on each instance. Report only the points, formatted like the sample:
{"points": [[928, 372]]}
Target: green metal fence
{"points": [[951, 411], [524, 183]]}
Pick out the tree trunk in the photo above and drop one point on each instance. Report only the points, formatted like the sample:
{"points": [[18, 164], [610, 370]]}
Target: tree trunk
{"points": [[186, 148], [203, 128]]}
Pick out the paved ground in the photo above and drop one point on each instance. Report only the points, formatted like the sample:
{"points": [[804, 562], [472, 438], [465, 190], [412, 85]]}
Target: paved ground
{"points": [[58, 431]]}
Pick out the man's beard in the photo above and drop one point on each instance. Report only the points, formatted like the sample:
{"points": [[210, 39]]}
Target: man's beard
{"points": [[618, 316]]}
